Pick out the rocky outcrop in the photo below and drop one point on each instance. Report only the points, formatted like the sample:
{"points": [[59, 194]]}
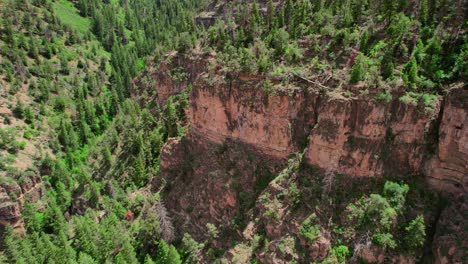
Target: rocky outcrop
{"points": [[210, 183], [242, 132], [449, 242], [448, 169], [10, 206], [12, 197], [354, 136], [240, 110], [362, 137]]}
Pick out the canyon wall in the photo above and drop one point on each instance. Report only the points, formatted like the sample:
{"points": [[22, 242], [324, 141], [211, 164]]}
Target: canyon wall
{"points": [[242, 133], [356, 136]]}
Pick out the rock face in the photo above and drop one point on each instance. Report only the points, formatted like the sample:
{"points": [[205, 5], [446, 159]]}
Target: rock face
{"points": [[449, 243], [242, 133], [366, 138], [236, 111], [12, 197], [448, 169], [356, 137], [10, 206]]}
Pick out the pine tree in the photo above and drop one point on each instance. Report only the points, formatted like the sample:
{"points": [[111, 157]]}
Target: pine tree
{"points": [[140, 170], [363, 45], [8, 32], [424, 12], [270, 13], [387, 67], [416, 233], [389, 9], [167, 254], [410, 72], [357, 71]]}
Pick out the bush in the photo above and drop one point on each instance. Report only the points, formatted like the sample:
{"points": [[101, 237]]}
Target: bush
{"points": [[396, 194], [415, 233], [384, 97], [384, 240], [309, 229], [341, 252]]}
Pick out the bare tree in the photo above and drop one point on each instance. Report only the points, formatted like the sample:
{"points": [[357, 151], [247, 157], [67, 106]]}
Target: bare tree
{"points": [[328, 181], [360, 245], [165, 221]]}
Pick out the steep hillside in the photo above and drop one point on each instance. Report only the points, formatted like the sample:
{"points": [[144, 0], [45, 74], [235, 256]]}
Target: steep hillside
{"points": [[374, 138], [76, 153], [169, 131]]}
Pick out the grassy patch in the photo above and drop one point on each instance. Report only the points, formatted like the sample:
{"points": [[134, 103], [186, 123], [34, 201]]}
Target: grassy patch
{"points": [[69, 15]]}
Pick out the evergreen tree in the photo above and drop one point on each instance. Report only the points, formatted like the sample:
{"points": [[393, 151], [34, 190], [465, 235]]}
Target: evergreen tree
{"points": [[424, 12], [167, 254], [416, 233], [363, 45], [410, 72]]}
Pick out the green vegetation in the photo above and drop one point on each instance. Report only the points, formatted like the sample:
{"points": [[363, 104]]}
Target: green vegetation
{"points": [[310, 229], [374, 46], [67, 68], [68, 15], [67, 72]]}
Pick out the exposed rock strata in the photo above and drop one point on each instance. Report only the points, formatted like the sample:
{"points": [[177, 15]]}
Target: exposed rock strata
{"points": [[12, 197], [357, 137]]}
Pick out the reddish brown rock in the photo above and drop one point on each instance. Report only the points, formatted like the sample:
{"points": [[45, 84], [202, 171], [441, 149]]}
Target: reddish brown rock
{"points": [[367, 138], [12, 197], [449, 242], [10, 214], [448, 170]]}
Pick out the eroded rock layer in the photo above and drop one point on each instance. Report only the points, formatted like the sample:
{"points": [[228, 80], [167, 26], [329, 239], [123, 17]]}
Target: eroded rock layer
{"points": [[354, 136]]}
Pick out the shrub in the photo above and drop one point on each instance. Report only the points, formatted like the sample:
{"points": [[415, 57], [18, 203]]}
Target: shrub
{"points": [[410, 73], [309, 229], [294, 194], [212, 231], [341, 252], [384, 97], [396, 194], [384, 240]]}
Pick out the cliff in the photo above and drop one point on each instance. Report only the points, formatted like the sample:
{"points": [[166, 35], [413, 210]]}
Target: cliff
{"points": [[357, 136], [231, 169]]}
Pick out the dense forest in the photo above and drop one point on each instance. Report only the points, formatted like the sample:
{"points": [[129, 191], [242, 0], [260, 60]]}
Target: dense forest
{"points": [[67, 68]]}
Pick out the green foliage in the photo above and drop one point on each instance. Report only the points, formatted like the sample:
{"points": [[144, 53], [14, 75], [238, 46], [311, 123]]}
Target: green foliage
{"points": [[341, 253], [428, 101], [358, 71], [213, 232], [68, 15], [309, 229], [384, 96], [363, 44], [410, 73], [191, 248], [384, 240], [415, 236], [294, 194], [380, 211], [167, 254], [396, 194]]}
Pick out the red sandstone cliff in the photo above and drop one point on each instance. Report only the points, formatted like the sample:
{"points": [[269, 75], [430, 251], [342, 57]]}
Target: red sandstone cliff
{"points": [[240, 132], [357, 137]]}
